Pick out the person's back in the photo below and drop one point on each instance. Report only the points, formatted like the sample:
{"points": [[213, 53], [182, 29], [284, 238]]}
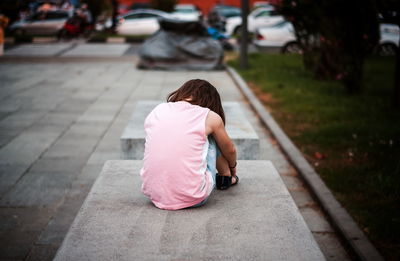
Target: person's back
{"points": [[174, 172], [186, 145]]}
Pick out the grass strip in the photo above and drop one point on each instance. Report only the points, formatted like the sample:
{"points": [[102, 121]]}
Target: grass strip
{"points": [[353, 141]]}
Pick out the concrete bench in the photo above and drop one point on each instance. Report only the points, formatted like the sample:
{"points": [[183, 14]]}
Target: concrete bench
{"points": [[238, 127], [256, 220]]}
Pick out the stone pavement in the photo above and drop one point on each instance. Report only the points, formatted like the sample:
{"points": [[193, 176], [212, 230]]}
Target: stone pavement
{"points": [[59, 122], [71, 49]]}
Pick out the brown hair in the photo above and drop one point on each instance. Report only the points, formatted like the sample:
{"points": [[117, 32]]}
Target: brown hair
{"points": [[199, 92]]}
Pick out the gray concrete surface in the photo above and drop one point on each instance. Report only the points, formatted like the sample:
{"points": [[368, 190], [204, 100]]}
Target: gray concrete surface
{"points": [[238, 127], [98, 50], [256, 220], [73, 48], [37, 49], [58, 110]]}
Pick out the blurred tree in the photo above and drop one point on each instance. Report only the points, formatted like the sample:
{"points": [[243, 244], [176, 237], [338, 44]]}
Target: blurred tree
{"points": [[114, 4], [10, 8], [335, 35], [98, 7], [164, 5]]}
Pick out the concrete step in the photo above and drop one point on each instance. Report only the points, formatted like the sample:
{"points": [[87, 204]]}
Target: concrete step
{"points": [[238, 127], [255, 220]]}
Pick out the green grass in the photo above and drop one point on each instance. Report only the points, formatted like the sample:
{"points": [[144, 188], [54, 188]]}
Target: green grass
{"points": [[358, 136]]}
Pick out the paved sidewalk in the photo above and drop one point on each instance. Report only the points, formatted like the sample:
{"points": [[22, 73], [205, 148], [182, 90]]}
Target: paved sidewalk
{"points": [[59, 122], [71, 49]]}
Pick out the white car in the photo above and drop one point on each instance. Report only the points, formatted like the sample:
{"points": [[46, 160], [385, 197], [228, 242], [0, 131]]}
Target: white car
{"points": [[389, 39], [263, 16], [186, 12], [259, 4], [41, 23], [140, 22], [281, 36]]}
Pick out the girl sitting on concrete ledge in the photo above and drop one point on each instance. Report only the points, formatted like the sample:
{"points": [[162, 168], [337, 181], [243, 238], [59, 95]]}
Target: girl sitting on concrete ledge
{"points": [[187, 151]]}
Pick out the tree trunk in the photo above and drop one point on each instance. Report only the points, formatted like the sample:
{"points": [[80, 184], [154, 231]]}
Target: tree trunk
{"points": [[396, 94], [244, 36], [114, 15]]}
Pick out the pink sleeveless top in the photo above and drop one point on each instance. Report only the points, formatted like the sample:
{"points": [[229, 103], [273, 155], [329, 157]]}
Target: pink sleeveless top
{"points": [[174, 172]]}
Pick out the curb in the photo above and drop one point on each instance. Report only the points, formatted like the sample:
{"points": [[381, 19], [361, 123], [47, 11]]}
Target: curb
{"points": [[339, 218]]}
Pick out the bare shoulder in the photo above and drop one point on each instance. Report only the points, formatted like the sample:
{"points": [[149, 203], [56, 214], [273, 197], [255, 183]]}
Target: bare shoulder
{"points": [[213, 122]]}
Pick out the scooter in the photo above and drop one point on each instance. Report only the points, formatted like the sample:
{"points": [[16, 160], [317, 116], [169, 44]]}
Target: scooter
{"points": [[73, 28]]}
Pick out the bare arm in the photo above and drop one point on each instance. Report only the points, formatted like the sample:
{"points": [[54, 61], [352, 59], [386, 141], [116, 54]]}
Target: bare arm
{"points": [[215, 126]]}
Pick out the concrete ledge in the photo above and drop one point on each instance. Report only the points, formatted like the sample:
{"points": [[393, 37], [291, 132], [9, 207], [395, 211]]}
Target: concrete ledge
{"points": [[256, 220], [44, 39], [9, 40], [238, 127], [340, 219], [116, 40]]}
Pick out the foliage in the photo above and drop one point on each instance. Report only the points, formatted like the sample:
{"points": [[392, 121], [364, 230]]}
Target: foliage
{"points": [[335, 36], [352, 140], [164, 5], [98, 7], [10, 8]]}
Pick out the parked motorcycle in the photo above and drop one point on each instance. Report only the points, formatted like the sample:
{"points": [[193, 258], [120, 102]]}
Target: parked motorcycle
{"points": [[75, 27]]}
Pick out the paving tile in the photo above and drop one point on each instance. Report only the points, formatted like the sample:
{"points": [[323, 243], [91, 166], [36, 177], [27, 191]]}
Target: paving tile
{"points": [[55, 165], [26, 148], [26, 219], [70, 148], [292, 182], [37, 49], [15, 249], [74, 105], [302, 198], [102, 157], [315, 219], [58, 226], [9, 175], [42, 253], [89, 174], [20, 229], [21, 119], [331, 247], [39, 189], [59, 118], [98, 50], [6, 138]]}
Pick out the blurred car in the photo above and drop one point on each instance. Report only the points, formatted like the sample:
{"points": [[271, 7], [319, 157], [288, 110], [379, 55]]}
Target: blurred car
{"points": [[41, 23], [280, 36], [226, 11], [389, 39], [123, 9], [258, 4], [219, 15], [140, 22], [136, 6], [187, 12], [263, 16]]}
